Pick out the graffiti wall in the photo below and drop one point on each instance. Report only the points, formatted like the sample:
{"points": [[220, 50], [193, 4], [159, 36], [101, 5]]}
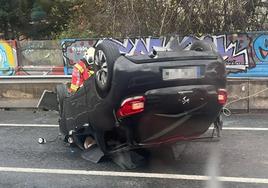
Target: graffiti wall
{"points": [[246, 52], [8, 57], [259, 48], [73, 50], [40, 58]]}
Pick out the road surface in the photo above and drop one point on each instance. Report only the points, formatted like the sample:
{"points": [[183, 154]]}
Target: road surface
{"points": [[239, 159]]}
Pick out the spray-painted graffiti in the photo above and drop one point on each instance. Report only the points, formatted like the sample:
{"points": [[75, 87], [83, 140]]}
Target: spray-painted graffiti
{"points": [[242, 51], [73, 50], [8, 57], [247, 52], [261, 48], [233, 48], [139, 45], [39, 58]]}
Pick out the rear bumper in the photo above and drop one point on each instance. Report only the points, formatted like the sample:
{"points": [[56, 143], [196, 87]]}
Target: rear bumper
{"points": [[158, 129], [185, 128], [159, 142], [190, 130], [174, 113]]}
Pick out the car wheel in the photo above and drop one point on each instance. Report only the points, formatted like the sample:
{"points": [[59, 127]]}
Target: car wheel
{"points": [[61, 91], [201, 46], [105, 55]]}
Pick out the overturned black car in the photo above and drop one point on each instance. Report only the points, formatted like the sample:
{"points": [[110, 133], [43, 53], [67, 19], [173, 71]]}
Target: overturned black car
{"points": [[143, 101]]}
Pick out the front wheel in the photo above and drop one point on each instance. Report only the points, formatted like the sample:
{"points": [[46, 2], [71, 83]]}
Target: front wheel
{"points": [[106, 54]]}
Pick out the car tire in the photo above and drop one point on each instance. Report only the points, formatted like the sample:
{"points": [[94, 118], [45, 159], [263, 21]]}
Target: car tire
{"points": [[61, 91], [106, 54], [202, 46]]}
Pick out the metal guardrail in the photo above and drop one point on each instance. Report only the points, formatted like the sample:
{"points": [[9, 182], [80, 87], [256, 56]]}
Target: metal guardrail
{"points": [[67, 78], [35, 79], [247, 78]]}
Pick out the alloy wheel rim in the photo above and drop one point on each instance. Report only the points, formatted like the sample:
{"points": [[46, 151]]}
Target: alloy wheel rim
{"points": [[101, 63]]}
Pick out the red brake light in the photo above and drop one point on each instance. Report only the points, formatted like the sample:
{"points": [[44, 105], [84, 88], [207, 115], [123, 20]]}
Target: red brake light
{"points": [[222, 96], [131, 106]]}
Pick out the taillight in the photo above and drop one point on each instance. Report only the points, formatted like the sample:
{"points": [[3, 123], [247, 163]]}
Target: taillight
{"points": [[222, 96], [131, 106]]}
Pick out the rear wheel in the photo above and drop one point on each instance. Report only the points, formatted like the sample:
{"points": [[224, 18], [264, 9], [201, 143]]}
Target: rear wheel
{"points": [[201, 46], [61, 91], [105, 55]]}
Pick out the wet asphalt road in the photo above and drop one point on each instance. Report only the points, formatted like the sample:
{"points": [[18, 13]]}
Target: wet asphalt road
{"points": [[239, 153]]}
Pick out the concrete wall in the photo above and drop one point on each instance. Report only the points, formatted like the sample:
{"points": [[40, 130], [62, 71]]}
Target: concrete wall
{"points": [[25, 94], [238, 89], [258, 101], [244, 94], [248, 95]]}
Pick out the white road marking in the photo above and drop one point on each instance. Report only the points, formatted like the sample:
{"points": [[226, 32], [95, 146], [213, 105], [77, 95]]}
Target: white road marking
{"points": [[134, 174], [27, 125], [55, 125], [243, 128]]}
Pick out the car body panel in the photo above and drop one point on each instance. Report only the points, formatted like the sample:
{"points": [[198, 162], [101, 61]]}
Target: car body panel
{"points": [[175, 109]]}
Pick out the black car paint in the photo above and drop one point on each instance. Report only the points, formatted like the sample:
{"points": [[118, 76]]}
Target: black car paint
{"points": [[165, 117]]}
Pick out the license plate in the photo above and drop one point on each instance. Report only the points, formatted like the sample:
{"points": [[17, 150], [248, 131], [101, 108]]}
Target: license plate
{"points": [[181, 73]]}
